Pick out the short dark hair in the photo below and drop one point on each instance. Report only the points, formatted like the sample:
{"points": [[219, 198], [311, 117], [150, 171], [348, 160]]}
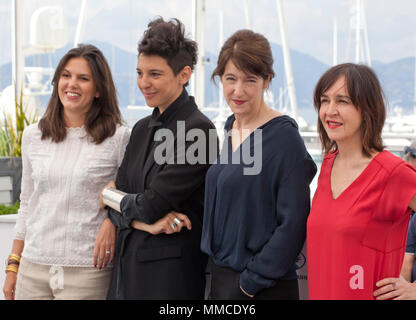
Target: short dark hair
{"points": [[366, 94], [167, 39], [249, 51], [104, 115]]}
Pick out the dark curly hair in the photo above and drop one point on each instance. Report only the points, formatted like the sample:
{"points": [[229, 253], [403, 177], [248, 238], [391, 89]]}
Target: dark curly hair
{"points": [[103, 117], [167, 39]]}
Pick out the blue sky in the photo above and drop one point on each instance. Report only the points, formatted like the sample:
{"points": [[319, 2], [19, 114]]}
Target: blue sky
{"points": [[391, 24]]}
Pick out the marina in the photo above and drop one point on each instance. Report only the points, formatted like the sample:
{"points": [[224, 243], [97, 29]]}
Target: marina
{"points": [[41, 31]]}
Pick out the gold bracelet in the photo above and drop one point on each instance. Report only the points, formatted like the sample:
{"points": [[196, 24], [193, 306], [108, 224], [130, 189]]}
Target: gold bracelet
{"points": [[9, 262], [14, 257], [12, 268]]}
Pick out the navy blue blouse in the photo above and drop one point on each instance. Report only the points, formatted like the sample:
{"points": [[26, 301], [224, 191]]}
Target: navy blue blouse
{"points": [[255, 224]]}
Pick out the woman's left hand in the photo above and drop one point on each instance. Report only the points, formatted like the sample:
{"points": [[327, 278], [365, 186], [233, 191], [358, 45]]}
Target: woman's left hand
{"points": [[104, 244], [171, 223], [396, 289], [247, 294]]}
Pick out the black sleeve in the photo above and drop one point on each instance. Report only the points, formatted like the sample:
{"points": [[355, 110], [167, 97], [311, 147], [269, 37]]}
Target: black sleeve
{"points": [[121, 180], [115, 218], [121, 184], [171, 187], [284, 245]]}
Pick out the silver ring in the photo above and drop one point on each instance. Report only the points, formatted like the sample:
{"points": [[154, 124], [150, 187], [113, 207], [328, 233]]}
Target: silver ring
{"points": [[108, 252], [173, 225], [177, 221]]}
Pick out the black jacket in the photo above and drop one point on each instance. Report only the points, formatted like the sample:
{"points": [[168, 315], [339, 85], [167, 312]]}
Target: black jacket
{"points": [[161, 266]]}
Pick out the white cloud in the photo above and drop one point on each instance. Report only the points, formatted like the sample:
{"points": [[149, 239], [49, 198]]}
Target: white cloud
{"points": [[124, 23], [309, 25], [391, 24]]}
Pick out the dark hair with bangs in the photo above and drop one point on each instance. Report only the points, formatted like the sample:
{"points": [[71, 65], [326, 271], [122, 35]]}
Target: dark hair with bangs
{"points": [[249, 51], [366, 94], [103, 117], [167, 40]]}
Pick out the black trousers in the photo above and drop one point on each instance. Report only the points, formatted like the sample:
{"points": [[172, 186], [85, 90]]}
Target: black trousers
{"points": [[225, 285]]}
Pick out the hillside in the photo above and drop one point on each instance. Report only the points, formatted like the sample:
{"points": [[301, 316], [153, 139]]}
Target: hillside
{"points": [[396, 77]]}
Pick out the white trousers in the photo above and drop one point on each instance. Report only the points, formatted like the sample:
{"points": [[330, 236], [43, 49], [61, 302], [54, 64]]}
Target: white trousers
{"points": [[44, 282]]}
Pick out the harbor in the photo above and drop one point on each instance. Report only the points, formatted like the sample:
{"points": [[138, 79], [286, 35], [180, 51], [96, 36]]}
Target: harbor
{"points": [[40, 32]]}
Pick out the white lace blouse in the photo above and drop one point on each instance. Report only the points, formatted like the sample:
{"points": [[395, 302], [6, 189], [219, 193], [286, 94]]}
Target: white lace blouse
{"points": [[59, 216]]}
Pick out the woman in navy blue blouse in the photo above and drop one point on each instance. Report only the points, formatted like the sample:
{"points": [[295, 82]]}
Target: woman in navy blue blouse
{"points": [[257, 196]]}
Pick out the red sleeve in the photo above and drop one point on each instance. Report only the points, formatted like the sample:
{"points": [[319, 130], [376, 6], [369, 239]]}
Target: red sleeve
{"points": [[399, 190]]}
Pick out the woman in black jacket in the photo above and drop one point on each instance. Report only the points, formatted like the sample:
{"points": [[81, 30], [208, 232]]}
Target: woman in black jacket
{"points": [[157, 253]]}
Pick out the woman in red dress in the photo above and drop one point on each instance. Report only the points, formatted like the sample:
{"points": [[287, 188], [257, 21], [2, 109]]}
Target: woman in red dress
{"points": [[357, 227]]}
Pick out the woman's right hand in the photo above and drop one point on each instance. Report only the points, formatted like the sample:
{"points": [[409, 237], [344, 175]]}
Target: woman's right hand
{"points": [[111, 184], [10, 285], [168, 224]]}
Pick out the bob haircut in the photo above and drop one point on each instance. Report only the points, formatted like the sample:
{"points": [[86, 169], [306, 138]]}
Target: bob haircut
{"points": [[167, 40], [104, 115], [249, 51], [366, 95]]}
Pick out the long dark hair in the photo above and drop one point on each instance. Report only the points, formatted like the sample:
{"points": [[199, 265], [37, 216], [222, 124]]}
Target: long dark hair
{"points": [[366, 95], [103, 117]]}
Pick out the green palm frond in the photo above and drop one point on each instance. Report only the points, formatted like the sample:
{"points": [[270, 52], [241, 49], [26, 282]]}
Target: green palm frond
{"points": [[12, 130]]}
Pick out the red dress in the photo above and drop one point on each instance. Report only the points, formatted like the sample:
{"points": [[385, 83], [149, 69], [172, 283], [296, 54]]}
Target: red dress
{"points": [[360, 237]]}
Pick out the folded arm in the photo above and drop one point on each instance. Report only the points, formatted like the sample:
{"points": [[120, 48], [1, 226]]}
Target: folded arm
{"points": [[279, 254]]}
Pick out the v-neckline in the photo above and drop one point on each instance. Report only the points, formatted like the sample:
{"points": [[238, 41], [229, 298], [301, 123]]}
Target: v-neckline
{"points": [[354, 182], [251, 133]]}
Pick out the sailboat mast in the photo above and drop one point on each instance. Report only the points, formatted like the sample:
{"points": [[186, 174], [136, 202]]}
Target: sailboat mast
{"points": [[287, 62], [414, 87], [247, 14], [198, 80], [18, 60], [80, 23], [367, 46], [357, 30], [220, 43], [335, 43]]}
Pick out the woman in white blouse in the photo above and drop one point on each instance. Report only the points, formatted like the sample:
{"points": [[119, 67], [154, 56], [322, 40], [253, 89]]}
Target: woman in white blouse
{"points": [[63, 243]]}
